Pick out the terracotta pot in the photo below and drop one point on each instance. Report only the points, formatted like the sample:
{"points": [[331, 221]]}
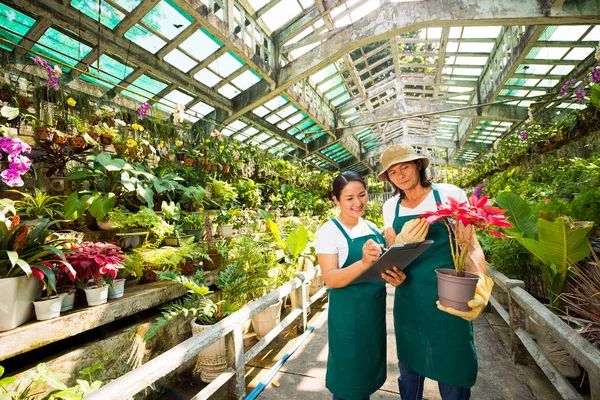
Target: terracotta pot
{"points": [[226, 169], [120, 148], [77, 142], [187, 268], [145, 149], [148, 276], [94, 135], [207, 166], [188, 162], [106, 139], [58, 139], [455, 291], [44, 134], [215, 261]]}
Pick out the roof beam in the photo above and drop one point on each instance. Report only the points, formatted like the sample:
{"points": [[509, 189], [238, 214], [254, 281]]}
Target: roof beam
{"points": [[72, 19], [394, 18], [34, 34], [135, 16], [294, 27]]}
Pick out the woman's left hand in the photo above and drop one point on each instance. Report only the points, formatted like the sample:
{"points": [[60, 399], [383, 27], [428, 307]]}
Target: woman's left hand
{"points": [[394, 276]]}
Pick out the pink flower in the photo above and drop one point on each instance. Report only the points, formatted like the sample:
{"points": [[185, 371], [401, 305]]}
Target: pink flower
{"points": [[37, 273], [12, 178]]}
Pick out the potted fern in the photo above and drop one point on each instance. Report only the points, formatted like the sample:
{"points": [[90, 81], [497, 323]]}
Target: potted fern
{"points": [[202, 313]]}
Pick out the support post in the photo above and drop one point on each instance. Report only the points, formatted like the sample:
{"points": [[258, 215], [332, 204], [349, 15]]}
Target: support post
{"points": [[517, 320], [594, 385], [235, 360], [302, 298]]}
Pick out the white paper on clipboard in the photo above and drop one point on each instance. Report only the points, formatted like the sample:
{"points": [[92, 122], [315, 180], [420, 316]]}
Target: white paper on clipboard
{"points": [[398, 255]]}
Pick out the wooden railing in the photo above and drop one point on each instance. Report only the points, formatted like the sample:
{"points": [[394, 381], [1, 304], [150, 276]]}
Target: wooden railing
{"points": [[523, 305], [137, 380]]}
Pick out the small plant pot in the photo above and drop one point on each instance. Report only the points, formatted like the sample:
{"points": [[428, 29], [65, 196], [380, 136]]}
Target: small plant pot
{"points": [[226, 169], [60, 185], [106, 225], [215, 260], [188, 162], [187, 267], [44, 134], [129, 241], [289, 213], [175, 241], [68, 225], [145, 149], [265, 321], [77, 142], [95, 136], [116, 289], [179, 156], [47, 309], [106, 139], [68, 299], [455, 291], [60, 139], [120, 148], [226, 230], [148, 276], [97, 295], [212, 361], [207, 166]]}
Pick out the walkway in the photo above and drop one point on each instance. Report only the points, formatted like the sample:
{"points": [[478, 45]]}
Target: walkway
{"points": [[303, 375]]}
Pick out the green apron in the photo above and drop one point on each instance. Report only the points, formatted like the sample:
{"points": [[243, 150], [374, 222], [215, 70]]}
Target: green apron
{"points": [[431, 342], [356, 364]]}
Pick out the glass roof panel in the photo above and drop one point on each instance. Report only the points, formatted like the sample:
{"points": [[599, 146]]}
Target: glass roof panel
{"points": [[110, 70], [225, 65], [594, 34], [109, 15], [258, 4], [562, 69], [260, 111], [146, 86], [207, 78], [468, 47], [14, 21], [144, 38], [200, 45], [568, 33], [481, 32], [229, 91], [547, 53], [202, 108], [281, 13], [246, 79], [579, 53], [167, 19], [180, 60], [275, 103], [129, 5], [178, 97], [71, 51]]}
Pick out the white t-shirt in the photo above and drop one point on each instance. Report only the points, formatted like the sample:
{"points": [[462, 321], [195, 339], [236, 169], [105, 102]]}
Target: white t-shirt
{"points": [[330, 240], [445, 189]]}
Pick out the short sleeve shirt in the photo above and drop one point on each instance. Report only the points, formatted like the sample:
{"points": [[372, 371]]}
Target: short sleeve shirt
{"points": [[428, 204], [330, 240]]}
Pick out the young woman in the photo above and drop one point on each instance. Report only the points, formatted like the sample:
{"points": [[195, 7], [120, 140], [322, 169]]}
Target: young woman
{"points": [[347, 246], [430, 342]]}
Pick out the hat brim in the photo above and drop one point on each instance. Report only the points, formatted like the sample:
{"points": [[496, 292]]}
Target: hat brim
{"points": [[382, 176]]}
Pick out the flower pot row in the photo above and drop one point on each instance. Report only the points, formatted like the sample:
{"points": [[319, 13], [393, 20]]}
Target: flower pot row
{"points": [[18, 304]]}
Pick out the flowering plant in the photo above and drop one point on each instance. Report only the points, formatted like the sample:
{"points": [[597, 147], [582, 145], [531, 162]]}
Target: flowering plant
{"points": [[50, 272], [53, 73], [465, 218], [589, 86], [17, 162], [98, 260]]}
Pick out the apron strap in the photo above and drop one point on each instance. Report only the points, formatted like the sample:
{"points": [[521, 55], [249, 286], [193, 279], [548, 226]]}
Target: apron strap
{"points": [[374, 231], [436, 193], [398, 207], [335, 221]]}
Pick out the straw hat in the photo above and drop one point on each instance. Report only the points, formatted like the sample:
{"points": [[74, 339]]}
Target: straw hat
{"points": [[399, 153]]}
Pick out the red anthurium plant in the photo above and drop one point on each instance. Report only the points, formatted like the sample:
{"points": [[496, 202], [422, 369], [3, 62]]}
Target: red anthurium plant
{"points": [[462, 219], [99, 261]]}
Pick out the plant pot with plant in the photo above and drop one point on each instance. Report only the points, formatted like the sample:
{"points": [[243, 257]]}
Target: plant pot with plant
{"points": [[98, 262], [203, 313], [135, 227], [457, 287], [50, 303]]}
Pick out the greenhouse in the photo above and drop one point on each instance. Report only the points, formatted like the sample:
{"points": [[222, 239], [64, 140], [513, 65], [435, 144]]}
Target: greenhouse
{"points": [[299, 199]]}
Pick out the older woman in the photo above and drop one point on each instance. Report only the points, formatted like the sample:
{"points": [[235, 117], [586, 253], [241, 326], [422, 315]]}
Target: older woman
{"points": [[431, 341]]}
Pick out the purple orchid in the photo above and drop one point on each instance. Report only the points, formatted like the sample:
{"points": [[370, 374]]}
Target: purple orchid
{"points": [[580, 93], [143, 109], [478, 190], [12, 178], [524, 135]]}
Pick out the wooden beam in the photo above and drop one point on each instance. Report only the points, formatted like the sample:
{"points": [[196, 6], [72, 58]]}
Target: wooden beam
{"points": [[135, 16]]}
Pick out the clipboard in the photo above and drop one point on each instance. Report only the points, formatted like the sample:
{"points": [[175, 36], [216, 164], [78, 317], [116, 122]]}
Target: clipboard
{"points": [[398, 255]]}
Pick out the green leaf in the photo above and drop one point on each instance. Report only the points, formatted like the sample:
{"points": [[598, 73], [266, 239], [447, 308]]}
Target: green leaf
{"points": [[275, 231], [51, 378], [9, 112], [595, 96], [521, 217], [297, 241], [102, 205], [563, 241], [115, 165], [50, 277], [144, 193], [103, 159], [79, 175], [24, 265], [91, 369], [7, 381], [13, 256], [127, 182]]}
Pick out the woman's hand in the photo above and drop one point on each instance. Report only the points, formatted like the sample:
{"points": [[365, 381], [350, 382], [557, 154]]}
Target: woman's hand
{"points": [[370, 253], [394, 276]]}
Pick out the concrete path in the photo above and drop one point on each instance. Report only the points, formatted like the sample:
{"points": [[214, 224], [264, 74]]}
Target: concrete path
{"points": [[303, 375]]}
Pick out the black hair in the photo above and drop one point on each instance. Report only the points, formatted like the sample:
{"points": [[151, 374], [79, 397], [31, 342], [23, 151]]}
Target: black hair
{"points": [[343, 179], [423, 179]]}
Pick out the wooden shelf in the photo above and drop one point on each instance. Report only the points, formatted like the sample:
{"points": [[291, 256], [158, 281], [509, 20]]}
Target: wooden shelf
{"points": [[35, 334]]}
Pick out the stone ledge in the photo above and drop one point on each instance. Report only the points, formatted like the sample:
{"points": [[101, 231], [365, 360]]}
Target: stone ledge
{"points": [[36, 334]]}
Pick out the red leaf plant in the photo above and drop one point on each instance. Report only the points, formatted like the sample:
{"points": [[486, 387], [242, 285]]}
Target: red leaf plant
{"points": [[96, 260], [462, 220]]}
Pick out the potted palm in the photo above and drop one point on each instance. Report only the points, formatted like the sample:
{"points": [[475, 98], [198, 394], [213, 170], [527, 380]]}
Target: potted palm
{"points": [[202, 313], [456, 287], [97, 262]]}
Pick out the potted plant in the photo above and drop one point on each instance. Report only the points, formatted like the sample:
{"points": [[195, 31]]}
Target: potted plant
{"points": [[49, 305], [23, 246], [37, 205], [456, 287], [223, 220], [135, 227], [246, 278], [99, 262], [202, 313]]}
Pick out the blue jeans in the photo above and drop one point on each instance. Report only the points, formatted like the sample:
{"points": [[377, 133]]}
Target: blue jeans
{"points": [[411, 387], [337, 398]]}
